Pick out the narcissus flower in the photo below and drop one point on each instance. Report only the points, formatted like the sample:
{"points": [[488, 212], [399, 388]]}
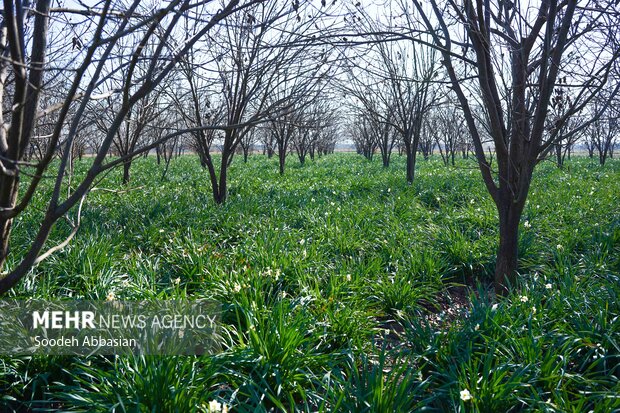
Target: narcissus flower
{"points": [[465, 395], [217, 407]]}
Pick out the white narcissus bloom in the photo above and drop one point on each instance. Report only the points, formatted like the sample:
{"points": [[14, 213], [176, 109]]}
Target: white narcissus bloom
{"points": [[176, 281], [494, 307], [215, 406], [524, 299], [527, 224], [110, 296], [548, 286], [465, 395]]}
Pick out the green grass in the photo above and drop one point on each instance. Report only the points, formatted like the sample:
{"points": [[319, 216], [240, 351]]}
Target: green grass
{"points": [[327, 276]]}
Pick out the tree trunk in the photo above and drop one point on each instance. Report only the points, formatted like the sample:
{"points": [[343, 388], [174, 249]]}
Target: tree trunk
{"points": [[410, 165], [8, 198], [281, 161], [385, 155], [221, 193], [126, 176], [558, 155], [508, 251], [208, 162]]}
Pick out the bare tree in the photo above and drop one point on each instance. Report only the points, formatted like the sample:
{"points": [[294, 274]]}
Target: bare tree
{"points": [[133, 131], [249, 55], [413, 94], [328, 137], [372, 103], [328, 132], [508, 57], [167, 149], [602, 134], [312, 121], [282, 129], [566, 139], [267, 141], [291, 102], [397, 90], [196, 106], [287, 121], [447, 125], [428, 140], [246, 143], [364, 139]]}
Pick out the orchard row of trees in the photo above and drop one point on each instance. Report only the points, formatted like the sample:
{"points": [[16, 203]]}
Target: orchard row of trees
{"points": [[398, 99], [510, 83], [444, 132], [251, 80]]}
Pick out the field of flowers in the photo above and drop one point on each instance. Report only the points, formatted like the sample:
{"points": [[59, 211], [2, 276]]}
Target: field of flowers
{"points": [[343, 290]]}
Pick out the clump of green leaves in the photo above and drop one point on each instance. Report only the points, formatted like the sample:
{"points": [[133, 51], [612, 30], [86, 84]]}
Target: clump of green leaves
{"points": [[314, 266]]}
